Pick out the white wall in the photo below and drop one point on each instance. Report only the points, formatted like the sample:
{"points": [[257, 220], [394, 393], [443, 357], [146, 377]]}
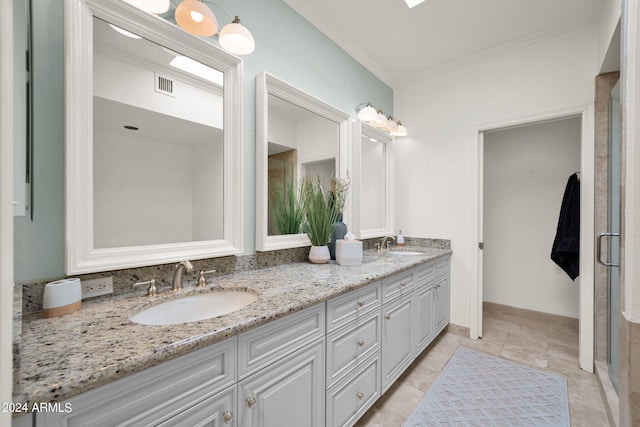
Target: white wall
{"points": [[317, 140], [282, 130], [608, 40], [525, 174], [436, 165], [127, 213]]}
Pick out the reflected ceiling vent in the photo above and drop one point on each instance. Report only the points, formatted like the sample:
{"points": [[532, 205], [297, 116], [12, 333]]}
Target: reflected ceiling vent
{"points": [[164, 85]]}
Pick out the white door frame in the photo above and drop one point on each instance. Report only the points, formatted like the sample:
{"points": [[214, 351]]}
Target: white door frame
{"points": [[587, 251]]}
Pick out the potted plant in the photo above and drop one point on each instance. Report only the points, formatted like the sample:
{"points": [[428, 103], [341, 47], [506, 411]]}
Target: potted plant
{"points": [[321, 211], [287, 209]]}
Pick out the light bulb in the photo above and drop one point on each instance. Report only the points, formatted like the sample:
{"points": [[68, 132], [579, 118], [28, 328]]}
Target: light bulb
{"points": [[197, 16]]}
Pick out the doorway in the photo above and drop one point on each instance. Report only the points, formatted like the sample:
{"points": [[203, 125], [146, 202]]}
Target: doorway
{"points": [[525, 171]]}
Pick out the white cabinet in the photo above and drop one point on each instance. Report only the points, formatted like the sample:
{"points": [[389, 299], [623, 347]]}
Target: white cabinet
{"points": [[287, 393], [216, 411], [397, 338], [167, 394], [424, 315], [442, 294], [348, 399]]}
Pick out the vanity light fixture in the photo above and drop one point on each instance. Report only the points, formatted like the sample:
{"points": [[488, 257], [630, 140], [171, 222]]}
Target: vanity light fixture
{"points": [[235, 38], [151, 6], [401, 131], [196, 17], [367, 112]]}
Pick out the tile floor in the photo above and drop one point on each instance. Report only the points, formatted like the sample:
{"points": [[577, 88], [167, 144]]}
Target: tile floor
{"points": [[547, 345]]}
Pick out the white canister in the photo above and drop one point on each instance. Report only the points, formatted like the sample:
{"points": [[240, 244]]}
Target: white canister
{"points": [[62, 297]]}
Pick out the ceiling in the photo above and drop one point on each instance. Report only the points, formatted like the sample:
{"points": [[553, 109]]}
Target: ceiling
{"points": [[399, 44]]}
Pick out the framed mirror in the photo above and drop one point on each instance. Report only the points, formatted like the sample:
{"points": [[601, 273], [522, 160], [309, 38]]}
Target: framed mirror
{"points": [[296, 135], [153, 141], [373, 213]]}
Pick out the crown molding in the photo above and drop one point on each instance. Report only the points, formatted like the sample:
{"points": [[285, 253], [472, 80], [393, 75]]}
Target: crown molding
{"points": [[507, 47]]}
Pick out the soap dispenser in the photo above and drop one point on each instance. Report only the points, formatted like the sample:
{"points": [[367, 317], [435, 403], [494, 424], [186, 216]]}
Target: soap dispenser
{"points": [[400, 239]]}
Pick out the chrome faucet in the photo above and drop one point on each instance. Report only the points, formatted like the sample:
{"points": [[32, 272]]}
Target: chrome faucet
{"points": [[384, 240], [181, 267]]}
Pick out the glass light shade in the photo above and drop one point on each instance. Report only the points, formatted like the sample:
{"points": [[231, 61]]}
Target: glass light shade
{"points": [[196, 18], [380, 121], [391, 125], [367, 114], [401, 131], [236, 38], [151, 6]]}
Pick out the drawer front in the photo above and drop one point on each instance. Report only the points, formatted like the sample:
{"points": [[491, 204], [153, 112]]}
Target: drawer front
{"points": [[442, 266], [154, 395], [398, 285], [351, 306], [351, 398], [218, 410], [425, 273], [262, 346], [350, 345]]}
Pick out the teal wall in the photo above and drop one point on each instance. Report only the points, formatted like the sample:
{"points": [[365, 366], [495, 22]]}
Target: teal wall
{"points": [[287, 46]]}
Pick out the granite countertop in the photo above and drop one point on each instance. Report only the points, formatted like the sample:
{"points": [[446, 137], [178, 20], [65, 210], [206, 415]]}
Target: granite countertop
{"points": [[65, 356]]}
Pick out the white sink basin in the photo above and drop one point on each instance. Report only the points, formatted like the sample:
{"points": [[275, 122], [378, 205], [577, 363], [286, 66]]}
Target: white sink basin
{"points": [[405, 253], [194, 307]]}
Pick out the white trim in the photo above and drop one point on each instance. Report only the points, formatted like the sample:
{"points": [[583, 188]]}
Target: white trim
{"points": [[359, 129], [81, 256], [587, 236], [6, 207], [268, 84]]}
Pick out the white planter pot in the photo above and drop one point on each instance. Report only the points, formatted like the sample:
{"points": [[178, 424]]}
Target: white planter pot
{"points": [[319, 254]]}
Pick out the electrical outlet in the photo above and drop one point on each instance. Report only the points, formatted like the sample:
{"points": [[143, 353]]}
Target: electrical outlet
{"points": [[97, 287]]}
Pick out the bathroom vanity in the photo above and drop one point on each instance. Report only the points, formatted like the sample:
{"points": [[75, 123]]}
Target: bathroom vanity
{"points": [[318, 347]]}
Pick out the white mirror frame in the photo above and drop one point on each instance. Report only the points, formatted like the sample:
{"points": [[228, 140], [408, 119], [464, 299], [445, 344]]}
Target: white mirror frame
{"points": [[267, 84], [359, 129], [81, 256]]}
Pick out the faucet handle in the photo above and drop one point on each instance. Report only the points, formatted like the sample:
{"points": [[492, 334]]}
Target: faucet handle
{"points": [[202, 282], [152, 290]]}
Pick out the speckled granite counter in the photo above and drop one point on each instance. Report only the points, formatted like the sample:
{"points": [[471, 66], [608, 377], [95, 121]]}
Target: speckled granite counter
{"points": [[65, 356]]}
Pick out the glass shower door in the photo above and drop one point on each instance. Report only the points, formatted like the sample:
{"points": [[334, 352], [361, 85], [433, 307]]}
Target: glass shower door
{"points": [[613, 234]]}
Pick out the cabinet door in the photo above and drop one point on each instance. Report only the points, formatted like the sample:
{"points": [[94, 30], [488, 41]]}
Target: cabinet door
{"points": [[424, 315], [397, 339], [215, 411], [288, 393], [442, 304]]}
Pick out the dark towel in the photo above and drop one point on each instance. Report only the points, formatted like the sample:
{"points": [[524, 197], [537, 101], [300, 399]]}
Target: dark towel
{"points": [[566, 246]]}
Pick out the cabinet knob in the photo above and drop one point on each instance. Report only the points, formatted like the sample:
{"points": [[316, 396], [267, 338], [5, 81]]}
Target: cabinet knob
{"points": [[251, 402], [360, 343], [387, 316], [403, 284], [360, 304], [227, 417], [360, 395]]}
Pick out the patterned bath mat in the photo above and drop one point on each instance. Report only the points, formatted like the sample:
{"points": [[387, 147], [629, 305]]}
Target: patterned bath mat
{"points": [[476, 389]]}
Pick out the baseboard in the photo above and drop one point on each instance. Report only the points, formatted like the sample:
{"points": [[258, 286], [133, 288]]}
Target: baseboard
{"points": [[523, 313], [457, 330]]}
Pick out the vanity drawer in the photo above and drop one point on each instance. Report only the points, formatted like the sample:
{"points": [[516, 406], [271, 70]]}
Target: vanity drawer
{"points": [[351, 398], [352, 344], [425, 273], [397, 285], [265, 344], [351, 306], [154, 395], [442, 266]]}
